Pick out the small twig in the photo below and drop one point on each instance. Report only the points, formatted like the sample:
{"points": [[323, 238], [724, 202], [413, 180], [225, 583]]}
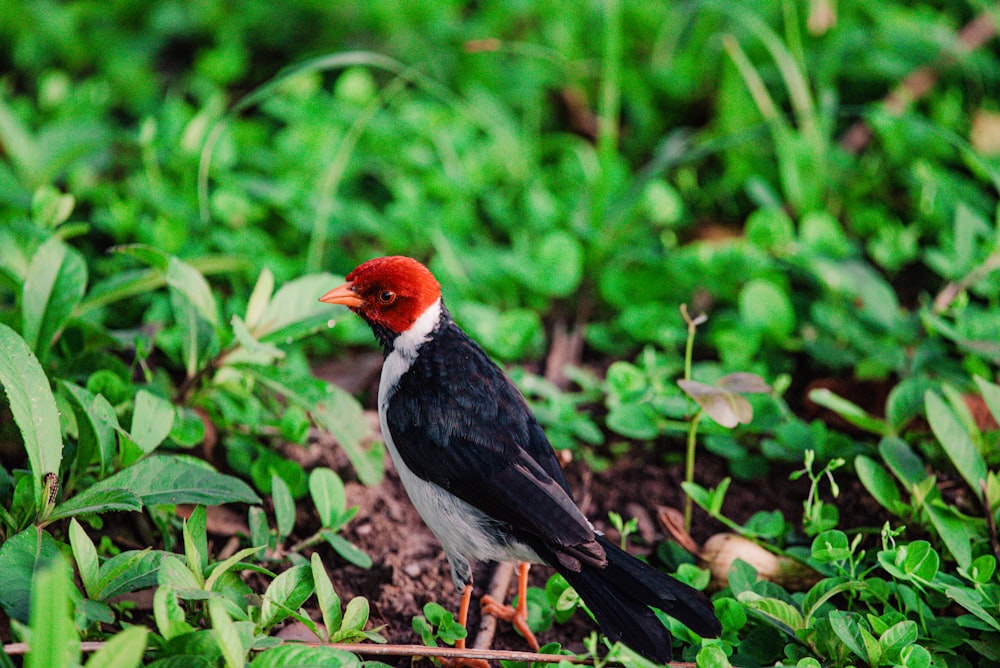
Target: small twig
{"points": [[972, 36], [503, 574]]}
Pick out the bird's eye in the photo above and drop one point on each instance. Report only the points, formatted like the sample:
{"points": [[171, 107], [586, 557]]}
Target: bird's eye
{"points": [[387, 296]]}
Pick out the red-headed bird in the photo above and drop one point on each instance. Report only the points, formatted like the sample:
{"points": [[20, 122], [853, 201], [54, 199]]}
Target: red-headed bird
{"points": [[481, 473]]}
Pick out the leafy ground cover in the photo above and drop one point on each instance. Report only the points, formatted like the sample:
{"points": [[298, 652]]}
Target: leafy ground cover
{"points": [[741, 257]]}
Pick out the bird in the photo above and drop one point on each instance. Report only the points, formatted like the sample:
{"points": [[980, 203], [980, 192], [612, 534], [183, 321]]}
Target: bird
{"points": [[480, 471]]}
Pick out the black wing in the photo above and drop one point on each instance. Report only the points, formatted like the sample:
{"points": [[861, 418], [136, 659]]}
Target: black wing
{"points": [[460, 423]]}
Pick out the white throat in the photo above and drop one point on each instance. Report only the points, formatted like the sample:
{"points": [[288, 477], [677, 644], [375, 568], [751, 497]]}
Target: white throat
{"points": [[405, 349]]}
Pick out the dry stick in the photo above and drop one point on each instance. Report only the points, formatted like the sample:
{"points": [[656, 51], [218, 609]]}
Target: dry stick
{"points": [[972, 36]]}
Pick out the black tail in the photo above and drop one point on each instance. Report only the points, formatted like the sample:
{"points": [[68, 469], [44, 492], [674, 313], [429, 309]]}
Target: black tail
{"points": [[620, 596]]}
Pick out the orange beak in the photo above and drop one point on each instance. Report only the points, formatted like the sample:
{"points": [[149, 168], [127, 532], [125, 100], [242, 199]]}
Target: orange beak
{"points": [[343, 294]]}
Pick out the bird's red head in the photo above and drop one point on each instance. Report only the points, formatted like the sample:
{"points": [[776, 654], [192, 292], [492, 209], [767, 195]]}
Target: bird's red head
{"points": [[389, 292]]}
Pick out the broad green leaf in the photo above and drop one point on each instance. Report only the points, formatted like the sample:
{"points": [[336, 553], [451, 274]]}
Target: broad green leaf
{"points": [[171, 620], [284, 506], [327, 492], [129, 571], [295, 302], [955, 441], [152, 419], [301, 655], [712, 656], [831, 545], [196, 542], [226, 634], [85, 555], [97, 436], [636, 421], [96, 500], [879, 484], [898, 636], [171, 479], [122, 650], [726, 408], [922, 561], [190, 282], [32, 405], [766, 308], [557, 264], [21, 556], [326, 596], [54, 639], [957, 531], [291, 589], [778, 611], [259, 298], [972, 601], [56, 281], [178, 575], [902, 461], [355, 614], [251, 351], [846, 626]]}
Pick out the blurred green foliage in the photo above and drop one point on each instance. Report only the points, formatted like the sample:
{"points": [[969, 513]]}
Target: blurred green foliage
{"points": [[582, 167]]}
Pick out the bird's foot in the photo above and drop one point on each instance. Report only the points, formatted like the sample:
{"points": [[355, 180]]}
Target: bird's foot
{"points": [[517, 616]]}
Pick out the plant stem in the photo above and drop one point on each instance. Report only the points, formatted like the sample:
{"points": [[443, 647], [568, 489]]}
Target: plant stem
{"points": [[692, 441]]}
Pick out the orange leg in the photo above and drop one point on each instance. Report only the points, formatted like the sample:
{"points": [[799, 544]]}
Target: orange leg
{"points": [[463, 617], [517, 616]]}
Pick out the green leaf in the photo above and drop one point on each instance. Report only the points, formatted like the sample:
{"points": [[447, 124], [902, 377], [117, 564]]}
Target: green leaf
{"points": [[296, 302], [128, 571], [712, 656], [922, 561], [226, 634], [223, 567], [896, 637], [955, 441], [96, 500], [326, 595], [355, 614], [726, 408], [122, 650], [290, 589], [97, 436], [172, 479], [85, 555], [152, 420], [845, 625], [879, 484], [178, 575], [196, 541], [557, 264], [766, 308], [848, 411], [636, 421], [831, 545], [171, 621], [784, 614], [54, 639], [902, 461], [956, 531], [190, 282], [327, 492], [32, 405], [991, 395], [346, 549], [259, 298], [972, 601], [299, 655], [21, 556], [284, 506], [56, 281]]}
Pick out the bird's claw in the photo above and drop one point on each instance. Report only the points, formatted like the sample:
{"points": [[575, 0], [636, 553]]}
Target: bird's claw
{"points": [[517, 616]]}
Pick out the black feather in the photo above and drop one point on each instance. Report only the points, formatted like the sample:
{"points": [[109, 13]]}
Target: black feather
{"points": [[622, 594]]}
